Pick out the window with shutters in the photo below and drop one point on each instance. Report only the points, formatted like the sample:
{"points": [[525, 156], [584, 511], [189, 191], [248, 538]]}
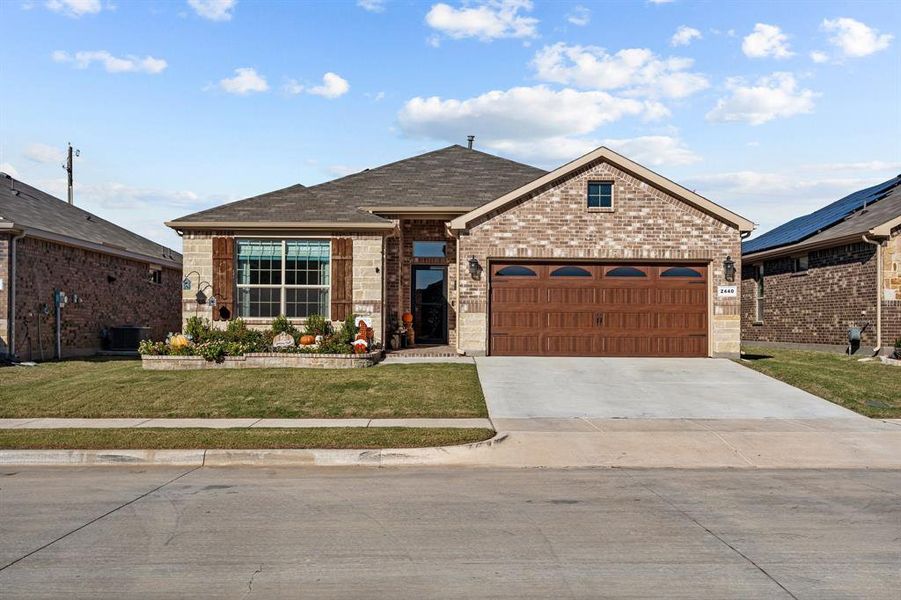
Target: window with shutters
{"points": [[283, 277]]}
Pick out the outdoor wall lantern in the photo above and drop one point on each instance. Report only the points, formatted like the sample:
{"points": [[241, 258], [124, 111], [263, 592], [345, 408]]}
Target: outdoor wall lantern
{"points": [[729, 268], [474, 267]]}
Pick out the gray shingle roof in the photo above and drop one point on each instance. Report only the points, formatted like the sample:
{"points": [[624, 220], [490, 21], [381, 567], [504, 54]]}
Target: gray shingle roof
{"points": [[28, 207], [854, 214], [452, 176]]}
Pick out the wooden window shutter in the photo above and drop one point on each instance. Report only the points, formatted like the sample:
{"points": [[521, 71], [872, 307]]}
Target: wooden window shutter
{"points": [[342, 278], [224, 278]]}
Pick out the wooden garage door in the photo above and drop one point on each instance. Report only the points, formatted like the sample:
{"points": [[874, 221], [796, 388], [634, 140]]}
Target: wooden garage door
{"points": [[576, 309]]}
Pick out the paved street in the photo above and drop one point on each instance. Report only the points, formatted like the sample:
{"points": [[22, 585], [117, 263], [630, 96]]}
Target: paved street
{"points": [[125, 532]]}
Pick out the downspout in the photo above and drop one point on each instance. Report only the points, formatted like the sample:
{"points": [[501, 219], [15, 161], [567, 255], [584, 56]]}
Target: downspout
{"points": [[878, 245], [457, 313], [11, 328]]}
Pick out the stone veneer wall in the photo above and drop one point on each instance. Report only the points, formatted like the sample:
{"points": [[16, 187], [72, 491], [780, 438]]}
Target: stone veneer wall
{"points": [[367, 276], [399, 267], [815, 306], [646, 224], [130, 299], [891, 277], [4, 294]]}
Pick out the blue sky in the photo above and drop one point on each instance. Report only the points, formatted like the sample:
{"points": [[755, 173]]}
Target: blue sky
{"points": [[771, 109]]}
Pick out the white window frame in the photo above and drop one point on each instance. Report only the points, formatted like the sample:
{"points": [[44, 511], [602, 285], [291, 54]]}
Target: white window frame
{"points": [[612, 185], [283, 296]]}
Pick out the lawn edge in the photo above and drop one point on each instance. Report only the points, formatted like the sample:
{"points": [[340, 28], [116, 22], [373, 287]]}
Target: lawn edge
{"points": [[213, 457]]}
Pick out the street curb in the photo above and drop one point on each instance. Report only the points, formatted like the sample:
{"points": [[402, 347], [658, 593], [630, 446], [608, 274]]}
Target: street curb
{"points": [[228, 458]]}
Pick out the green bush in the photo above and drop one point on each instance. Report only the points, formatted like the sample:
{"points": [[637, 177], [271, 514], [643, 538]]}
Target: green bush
{"points": [[348, 330], [151, 348], [213, 350], [317, 325], [197, 329], [334, 344], [281, 324]]}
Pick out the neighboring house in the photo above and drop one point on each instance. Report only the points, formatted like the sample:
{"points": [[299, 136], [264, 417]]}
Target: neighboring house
{"points": [[108, 276], [598, 257], [809, 280]]}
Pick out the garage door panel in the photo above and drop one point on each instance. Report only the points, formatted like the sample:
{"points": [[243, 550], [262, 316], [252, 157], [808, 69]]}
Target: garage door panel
{"points": [[603, 313], [569, 320]]}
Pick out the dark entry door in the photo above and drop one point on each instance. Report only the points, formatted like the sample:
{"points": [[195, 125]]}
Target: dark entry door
{"points": [[430, 304]]}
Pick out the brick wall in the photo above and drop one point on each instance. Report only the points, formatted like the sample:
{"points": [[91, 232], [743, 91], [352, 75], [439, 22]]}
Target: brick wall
{"points": [[4, 294], [647, 224], [400, 260], [367, 276], [130, 299], [817, 306]]}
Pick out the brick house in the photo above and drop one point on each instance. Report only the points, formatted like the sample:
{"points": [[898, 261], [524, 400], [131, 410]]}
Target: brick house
{"points": [[808, 280], [110, 277], [598, 257]]}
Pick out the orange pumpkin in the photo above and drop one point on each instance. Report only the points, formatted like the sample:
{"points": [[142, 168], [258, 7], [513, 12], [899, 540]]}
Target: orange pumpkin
{"points": [[306, 340], [407, 317]]}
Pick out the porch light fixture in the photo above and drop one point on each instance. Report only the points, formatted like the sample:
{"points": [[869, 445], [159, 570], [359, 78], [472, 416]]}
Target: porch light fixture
{"points": [[729, 268], [474, 267]]}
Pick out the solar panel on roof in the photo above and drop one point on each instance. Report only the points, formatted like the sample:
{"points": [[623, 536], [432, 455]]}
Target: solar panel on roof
{"points": [[801, 228]]}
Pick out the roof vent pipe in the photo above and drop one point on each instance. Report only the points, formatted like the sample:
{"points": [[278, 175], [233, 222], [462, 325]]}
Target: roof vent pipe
{"points": [[469, 140]]}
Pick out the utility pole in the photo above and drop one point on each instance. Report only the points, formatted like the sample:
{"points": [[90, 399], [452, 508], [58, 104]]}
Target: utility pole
{"points": [[69, 168]]}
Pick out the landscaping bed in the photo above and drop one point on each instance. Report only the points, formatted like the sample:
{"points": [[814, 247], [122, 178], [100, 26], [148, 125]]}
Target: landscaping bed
{"points": [[870, 388], [96, 388], [159, 439], [262, 360]]}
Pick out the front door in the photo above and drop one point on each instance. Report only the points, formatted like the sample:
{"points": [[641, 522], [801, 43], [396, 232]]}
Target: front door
{"points": [[430, 304]]}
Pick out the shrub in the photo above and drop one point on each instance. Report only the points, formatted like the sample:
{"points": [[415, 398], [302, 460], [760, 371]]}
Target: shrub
{"points": [[213, 350], [898, 343], [317, 325], [334, 344], [236, 329], [348, 330], [197, 329], [281, 324], [151, 348]]}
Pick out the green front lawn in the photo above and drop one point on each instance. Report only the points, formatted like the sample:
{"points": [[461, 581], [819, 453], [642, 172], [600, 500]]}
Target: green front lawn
{"points": [[156, 439], [121, 388], [870, 388]]}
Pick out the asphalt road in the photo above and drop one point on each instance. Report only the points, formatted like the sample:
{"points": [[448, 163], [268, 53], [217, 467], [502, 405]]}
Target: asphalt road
{"points": [[123, 532]]}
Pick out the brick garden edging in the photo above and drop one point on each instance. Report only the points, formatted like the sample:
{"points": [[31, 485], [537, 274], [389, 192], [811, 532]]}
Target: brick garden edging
{"points": [[262, 360]]}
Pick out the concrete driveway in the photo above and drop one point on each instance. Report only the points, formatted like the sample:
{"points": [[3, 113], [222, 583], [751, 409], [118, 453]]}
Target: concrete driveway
{"points": [[642, 388]]}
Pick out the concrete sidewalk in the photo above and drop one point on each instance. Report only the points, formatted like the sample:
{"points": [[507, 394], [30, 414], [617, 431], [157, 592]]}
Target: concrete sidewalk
{"points": [[556, 443], [239, 423]]}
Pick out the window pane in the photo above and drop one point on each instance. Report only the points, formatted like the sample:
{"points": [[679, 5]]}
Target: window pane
{"points": [[301, 303], [259, 302], [600, 195], [570, 272], [680, 272], [429, 249], [307, 262], [259, 262], [626, 272], [516, 271]]}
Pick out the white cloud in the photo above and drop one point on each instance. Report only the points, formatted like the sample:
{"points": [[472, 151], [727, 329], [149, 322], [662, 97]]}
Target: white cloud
{"points": [[855, 39], [44, 154], [772, 198], [486, 21], [9, 170], [771, 97], [654, 150], [637, 71], [819, 57], [375, 96], [245, 81], [579, 16], [112, 64], [534, 123], [342, 170], [659, 1], [292, 87], [214, 10], [333, 86], [684, 36], [75, 8], [372, 5], [766, 40]]}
